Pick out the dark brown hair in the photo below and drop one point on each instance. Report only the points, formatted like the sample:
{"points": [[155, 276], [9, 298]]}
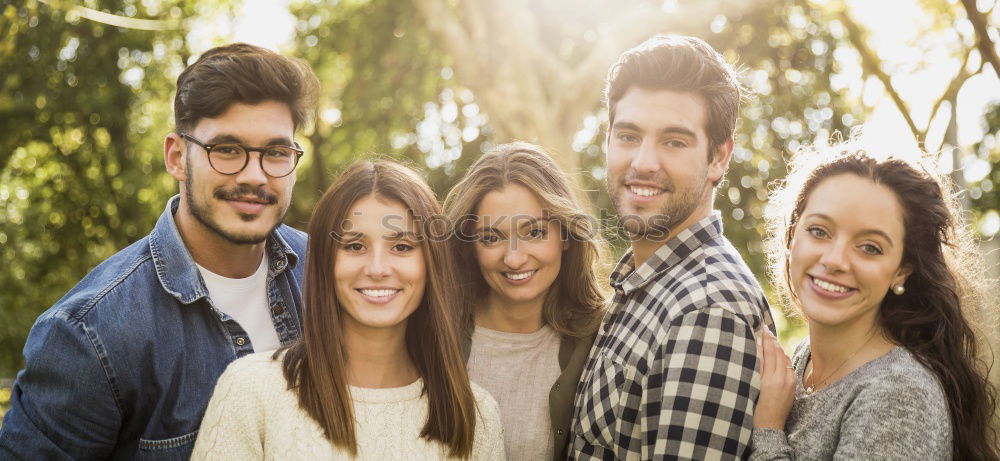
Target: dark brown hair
{"points": [[936, 317], [680, 63], [315, 367], [242, 73], [574, 305]]}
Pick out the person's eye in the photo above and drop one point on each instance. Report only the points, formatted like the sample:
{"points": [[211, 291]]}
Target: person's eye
{"points": [[627, 137], [402, 248], [227, 149], [675, 143], [354, 247], [278, 153], [817, 232], [536, 233], [488, 239], [871, 249]]}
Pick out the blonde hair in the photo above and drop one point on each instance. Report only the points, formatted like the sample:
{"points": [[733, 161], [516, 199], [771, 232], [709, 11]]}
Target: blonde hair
{"points": [[575, 303]]}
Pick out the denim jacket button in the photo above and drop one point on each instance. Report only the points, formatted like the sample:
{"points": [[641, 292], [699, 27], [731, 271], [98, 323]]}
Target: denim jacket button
{"points": [[240, 341]]}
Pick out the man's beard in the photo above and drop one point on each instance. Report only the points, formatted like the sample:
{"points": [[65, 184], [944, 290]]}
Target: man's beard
{"points": [[204, 215], [680, 204]]}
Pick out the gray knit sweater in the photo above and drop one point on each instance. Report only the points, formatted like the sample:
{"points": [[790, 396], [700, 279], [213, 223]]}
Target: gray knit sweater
{"points": [[892, 408]]}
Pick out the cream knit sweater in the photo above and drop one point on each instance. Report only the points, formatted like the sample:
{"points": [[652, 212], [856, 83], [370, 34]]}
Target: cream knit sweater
{"points": [[253, 415]]}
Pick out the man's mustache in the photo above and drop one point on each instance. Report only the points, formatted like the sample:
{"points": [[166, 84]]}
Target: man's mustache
{"points": [[246, 191], [662, 181]]}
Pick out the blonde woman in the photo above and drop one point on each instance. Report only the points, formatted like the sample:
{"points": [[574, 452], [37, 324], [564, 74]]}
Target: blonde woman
{"points": [[528, 258]]}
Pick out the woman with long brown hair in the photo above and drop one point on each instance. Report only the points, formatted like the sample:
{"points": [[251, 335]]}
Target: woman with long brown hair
{"points": [[528, 257], [873, 254], [378, 373]]}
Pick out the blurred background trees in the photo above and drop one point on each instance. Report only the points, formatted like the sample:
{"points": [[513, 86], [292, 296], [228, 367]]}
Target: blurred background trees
{"points": [[86, 102]]}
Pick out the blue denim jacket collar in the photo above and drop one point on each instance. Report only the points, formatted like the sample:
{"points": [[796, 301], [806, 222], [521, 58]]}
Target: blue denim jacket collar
{"points": [[175, 266]]}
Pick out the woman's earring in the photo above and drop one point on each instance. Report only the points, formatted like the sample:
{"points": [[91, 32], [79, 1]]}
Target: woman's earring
{"points": [[899, 289]]}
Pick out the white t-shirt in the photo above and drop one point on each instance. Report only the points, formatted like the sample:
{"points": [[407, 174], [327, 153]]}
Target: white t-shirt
{"points": [[245, 300]]}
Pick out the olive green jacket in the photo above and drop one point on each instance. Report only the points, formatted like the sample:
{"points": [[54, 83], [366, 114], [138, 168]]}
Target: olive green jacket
{"points": [[572, 357]]}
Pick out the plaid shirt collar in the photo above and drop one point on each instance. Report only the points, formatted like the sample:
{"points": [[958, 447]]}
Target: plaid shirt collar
{"points": [[626, 280]]}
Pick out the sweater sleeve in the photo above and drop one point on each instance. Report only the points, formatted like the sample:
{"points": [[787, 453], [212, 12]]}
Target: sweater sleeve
{"points": [[770, 445], [232, 428], [899, 419], [488, 445]]}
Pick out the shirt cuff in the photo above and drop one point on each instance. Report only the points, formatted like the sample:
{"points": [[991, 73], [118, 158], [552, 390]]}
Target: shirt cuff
{"points": [[769, 443]]}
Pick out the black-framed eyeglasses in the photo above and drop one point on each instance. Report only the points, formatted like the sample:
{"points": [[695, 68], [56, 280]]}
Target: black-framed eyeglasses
{"points": [[230, 158]]}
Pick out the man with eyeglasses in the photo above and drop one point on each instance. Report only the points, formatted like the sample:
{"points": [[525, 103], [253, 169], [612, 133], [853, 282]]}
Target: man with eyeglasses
{"points": [[123, 366]]}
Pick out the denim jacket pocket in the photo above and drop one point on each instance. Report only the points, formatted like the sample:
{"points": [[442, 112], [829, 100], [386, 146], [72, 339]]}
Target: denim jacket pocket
{"points": [[175, 448], [603, 403]]}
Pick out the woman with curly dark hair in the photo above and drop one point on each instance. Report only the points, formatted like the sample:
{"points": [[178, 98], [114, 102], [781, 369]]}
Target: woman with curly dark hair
{"points": [[873, 254]]}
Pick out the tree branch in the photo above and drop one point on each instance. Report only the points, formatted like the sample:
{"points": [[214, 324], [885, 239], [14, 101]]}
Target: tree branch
{"points": [[983, 42], [870, 63], [953, 88]]}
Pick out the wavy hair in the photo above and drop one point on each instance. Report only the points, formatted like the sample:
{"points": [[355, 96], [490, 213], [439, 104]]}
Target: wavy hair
{"points": [[574, 305], [937, 317], [243, 73], [680, 63], [315, 367]]}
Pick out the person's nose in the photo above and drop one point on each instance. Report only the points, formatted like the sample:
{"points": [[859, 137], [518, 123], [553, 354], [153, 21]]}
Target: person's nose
{"points": [[645, 159], [514, 257], [253, 173], [834, 257], [377, 267]]}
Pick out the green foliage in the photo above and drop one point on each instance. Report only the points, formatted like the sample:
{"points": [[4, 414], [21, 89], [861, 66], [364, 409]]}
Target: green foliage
{"points": [[379, 69], [81, 177], [983, 193]]}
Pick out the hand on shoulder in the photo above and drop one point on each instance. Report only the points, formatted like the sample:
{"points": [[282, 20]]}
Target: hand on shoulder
{"points": [[777, 384]]}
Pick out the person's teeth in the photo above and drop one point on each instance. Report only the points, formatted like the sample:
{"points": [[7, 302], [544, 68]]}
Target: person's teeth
{"points": [[644, 191], [830, 286], [379, 293], [519, 275]]}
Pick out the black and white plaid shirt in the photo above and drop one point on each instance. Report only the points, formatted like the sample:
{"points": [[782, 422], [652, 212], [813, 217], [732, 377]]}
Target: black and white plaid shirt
{"points": [[672, 374]]}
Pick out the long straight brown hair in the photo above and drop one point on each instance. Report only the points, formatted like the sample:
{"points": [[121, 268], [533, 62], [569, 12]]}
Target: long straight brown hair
{"points": [[315, 367]]}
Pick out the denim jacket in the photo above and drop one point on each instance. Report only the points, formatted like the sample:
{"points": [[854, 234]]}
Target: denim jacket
{"points": [[123, 366]]}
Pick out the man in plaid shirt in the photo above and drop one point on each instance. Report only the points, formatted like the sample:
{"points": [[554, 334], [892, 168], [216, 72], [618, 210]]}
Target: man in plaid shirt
{"points": [[672, 374]]}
